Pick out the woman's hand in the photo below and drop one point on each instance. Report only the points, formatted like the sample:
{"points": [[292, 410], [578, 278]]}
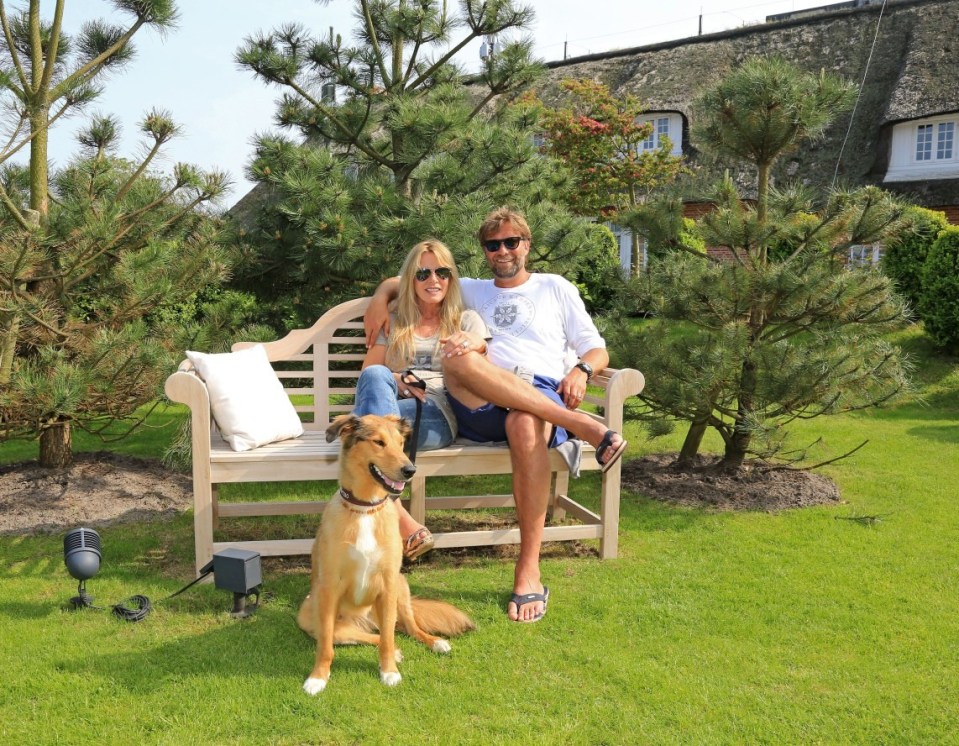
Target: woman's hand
{"points": [[408, 392], [462, 342]]}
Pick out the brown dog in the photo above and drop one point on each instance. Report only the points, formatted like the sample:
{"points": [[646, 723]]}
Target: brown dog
{"points": [[355, 584]]}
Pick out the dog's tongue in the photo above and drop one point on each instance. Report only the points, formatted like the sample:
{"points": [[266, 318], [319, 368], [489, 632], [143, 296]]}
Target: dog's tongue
{"points": [[398, 486]]}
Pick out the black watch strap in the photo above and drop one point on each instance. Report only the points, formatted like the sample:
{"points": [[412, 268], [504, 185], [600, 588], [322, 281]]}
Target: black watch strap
{"points": [[586, 368]]}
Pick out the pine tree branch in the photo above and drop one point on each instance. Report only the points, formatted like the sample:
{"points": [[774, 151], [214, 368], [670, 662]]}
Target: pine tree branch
{"points": [[15, 58], [443, 60], [12, 289], [55, 31], [36, 49], [821, 463], [374, 42], [122, 191], [136, 422], [7, 154], [481, 105], [13, 210], [90, 69], [416, 50], [351, 136]]}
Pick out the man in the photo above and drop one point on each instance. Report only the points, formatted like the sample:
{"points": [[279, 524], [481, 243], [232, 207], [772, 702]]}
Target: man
{"points": [[534, 320]]}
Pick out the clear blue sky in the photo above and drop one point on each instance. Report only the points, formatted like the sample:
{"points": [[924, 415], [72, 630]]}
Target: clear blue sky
{"points": [[191, 73]]}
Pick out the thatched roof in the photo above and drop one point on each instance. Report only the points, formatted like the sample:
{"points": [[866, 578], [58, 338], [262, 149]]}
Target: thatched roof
{"points": [[913, 72]]}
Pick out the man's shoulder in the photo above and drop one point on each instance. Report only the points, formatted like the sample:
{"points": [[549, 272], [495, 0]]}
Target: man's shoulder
{"points": [[557, 282], [475, 282]]}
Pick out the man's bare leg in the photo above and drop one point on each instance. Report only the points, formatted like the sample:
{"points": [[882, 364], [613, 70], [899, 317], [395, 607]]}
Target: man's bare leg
{"points": [[531, 479], [474, 381]]}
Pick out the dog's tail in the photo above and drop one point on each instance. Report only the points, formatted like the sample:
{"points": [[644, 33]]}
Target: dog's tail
{"points": [[440, 618]]}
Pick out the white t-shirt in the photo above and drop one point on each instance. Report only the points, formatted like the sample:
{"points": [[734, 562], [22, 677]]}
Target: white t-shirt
{"points": [[541, 324]]}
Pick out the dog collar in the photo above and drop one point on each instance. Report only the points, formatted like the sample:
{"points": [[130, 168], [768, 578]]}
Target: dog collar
{"points": [[367, 507]]}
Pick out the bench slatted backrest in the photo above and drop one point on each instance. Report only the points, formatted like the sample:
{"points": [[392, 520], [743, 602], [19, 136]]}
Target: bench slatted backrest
{"points": [[319, 366]]}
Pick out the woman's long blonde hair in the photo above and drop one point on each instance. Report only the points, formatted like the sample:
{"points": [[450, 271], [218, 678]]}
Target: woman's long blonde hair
{"points": [[399, 347]]}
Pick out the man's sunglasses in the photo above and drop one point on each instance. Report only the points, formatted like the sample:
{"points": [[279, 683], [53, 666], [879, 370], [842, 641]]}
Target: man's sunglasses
{"points": [[511, 243], [442, 273]]}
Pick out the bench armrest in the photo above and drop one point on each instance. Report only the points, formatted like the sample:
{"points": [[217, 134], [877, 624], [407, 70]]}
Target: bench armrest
{"points": [[186, 387], [620, 384]]}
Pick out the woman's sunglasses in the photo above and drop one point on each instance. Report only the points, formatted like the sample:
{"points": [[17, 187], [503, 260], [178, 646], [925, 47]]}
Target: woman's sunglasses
{"points": [[442, 273], [511, 243]]}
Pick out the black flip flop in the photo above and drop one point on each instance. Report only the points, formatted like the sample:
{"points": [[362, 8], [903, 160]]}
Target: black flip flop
{"points": [[605, 444], [521, 599]]}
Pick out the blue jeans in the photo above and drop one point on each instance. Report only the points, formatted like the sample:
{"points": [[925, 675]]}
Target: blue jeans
{"points": [[377, 393]]}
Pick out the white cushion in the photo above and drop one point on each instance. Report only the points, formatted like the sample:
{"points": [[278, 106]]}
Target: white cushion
{"points": [[248, 401]]}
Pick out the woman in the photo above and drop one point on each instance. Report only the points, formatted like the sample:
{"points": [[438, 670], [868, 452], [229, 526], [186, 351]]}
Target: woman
{"points": [[427, 313]]}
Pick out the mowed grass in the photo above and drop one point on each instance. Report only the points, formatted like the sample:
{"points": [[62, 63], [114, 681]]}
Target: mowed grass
{"points": [[711, 628]]}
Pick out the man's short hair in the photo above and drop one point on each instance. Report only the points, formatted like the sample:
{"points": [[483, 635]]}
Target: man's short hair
{"points": [[504, 215]]}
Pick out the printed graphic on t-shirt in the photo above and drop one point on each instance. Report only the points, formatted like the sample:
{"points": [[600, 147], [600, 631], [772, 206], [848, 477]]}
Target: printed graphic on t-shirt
{"points": [[509, 313], [423, 361]]}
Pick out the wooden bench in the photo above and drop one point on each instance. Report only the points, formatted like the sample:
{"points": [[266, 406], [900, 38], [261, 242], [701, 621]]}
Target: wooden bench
{"points": [[318, 367]]}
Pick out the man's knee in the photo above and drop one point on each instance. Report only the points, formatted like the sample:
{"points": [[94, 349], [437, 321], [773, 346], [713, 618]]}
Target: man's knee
{"points": [[459, 367], [525, 430]]}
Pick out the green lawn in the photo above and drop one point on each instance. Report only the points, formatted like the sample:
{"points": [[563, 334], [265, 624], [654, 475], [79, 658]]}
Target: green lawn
{"points": [[711, 628]]}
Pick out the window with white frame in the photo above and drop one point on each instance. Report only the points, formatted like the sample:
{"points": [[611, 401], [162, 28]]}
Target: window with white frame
{"points": [[924, 149], [864, 255], [667, 124], [624, 240], [946, 131]]}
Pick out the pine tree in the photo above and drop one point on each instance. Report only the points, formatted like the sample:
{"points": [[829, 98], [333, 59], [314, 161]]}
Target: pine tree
{"points": [[95, 258], [781, 331], [395, 144]]}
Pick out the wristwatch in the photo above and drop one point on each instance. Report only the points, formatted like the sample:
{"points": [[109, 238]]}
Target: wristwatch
{"points": [[586, 368]]}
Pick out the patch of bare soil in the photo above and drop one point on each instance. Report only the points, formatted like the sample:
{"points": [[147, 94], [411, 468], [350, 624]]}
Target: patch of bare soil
{"points": [[96, 490], [104, 488], [704, 485]]}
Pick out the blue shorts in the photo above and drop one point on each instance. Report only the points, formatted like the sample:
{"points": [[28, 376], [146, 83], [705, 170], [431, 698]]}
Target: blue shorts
{"points": [[488, 423]]}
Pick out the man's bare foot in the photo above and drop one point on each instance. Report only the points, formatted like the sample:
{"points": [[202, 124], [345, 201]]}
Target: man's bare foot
{"points": [[528, 607], [610, 449]]}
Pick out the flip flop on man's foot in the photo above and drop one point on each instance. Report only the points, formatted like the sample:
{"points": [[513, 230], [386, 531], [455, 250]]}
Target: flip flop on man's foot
{"points": [[522, 599], [605, 444]]}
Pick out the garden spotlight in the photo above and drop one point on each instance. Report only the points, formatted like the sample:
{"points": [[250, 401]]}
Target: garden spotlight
{"points": [[81, 554]]}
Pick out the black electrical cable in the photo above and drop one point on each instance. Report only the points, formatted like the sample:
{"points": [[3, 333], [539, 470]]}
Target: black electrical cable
{"points": [[140, 606], [139, 612]]}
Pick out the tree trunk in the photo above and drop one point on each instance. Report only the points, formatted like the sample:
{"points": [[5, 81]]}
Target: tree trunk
{"points": [[637, 252], [694, 439], [9, 329], [738, 444], [56, 447], [39, 167]]}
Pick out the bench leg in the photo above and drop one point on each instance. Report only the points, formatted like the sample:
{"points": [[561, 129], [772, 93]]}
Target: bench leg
{"points": [[560, 487], [203, 520], [215, 504], [609, 512], [418, 499]]}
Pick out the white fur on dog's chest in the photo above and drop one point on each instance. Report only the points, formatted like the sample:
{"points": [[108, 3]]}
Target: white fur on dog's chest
{"points": [[364, 555]]}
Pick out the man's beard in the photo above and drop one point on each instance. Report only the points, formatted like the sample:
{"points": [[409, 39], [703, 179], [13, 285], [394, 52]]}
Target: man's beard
{"points": [[506, 271]]}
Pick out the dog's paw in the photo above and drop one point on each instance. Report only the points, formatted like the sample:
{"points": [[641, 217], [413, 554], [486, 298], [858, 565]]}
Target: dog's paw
{"points": [[442, 646], [390, 678], [398, 655], [314, 686]]}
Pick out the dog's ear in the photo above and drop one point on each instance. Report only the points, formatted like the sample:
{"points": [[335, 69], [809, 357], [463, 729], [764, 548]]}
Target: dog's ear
{"points": [[403, 425], [347, 422]]}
